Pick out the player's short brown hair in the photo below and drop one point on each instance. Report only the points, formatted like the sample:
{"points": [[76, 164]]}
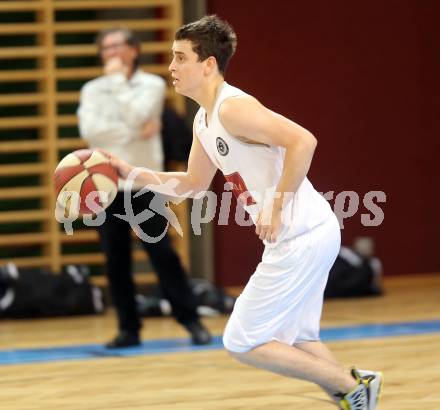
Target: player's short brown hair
{"points": [[210, 36]]}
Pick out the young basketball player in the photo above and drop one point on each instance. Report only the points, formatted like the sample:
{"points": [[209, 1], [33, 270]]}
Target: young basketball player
{"points": [[266, 157]]}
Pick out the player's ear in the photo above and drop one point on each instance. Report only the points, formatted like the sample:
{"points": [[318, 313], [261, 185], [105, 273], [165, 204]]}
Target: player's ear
{"points": [[210, 64]]}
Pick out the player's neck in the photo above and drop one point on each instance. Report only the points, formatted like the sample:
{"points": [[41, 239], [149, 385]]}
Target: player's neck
{"points": [[207, 96]]}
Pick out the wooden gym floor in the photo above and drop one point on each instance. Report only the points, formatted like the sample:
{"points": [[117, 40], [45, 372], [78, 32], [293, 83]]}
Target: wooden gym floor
{"points": [[208, 379]]}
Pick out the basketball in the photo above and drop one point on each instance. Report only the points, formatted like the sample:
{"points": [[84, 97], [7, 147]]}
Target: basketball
{"points": [[85, 182]]}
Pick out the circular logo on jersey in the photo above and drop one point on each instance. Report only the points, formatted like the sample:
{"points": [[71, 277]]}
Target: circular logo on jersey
{"points": [[222, 147]]}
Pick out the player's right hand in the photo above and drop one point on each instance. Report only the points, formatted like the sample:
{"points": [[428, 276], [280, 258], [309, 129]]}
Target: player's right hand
{"points": [[122, 168]]}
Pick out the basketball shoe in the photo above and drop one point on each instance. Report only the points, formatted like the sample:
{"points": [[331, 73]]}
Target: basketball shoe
{"points": [[366, 395], [357, 399], [374, 384]]}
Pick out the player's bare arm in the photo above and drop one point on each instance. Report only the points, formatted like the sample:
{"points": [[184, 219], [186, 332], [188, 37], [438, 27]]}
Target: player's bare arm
{"points": [[246, 118], [196, 179]]}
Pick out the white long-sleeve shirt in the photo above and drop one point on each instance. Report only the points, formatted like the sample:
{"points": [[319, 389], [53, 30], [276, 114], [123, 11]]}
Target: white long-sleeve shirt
{"points": [[112, 111]]}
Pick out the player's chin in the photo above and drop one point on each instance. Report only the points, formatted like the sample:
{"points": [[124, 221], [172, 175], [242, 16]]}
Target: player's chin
{"points": [[179, 90]]}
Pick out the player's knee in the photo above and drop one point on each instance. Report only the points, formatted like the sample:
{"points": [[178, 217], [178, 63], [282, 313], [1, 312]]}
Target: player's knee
{"points": [[225, 341], [229, 340], [234, 340], [236, 355], [231, 347]]}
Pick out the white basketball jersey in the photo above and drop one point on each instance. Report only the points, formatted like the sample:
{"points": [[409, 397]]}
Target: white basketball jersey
{"points": [[254, 171]]}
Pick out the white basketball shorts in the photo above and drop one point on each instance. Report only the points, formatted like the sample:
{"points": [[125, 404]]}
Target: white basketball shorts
{"points": [[283, 298]]}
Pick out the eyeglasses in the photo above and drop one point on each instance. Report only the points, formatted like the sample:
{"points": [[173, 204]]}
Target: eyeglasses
{"points": [[113, 46]]}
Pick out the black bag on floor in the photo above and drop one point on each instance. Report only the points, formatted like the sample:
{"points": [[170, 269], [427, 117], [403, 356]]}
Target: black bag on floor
{"points": [[37, 293], [211, 301], [353, 275]]}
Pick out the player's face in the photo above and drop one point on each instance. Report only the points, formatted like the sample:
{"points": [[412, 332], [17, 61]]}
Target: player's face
{"points": [[186, 69], [114, 45]]}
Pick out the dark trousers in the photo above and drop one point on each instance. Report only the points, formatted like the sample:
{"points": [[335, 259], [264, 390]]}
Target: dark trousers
{"points": [[116, 243]]}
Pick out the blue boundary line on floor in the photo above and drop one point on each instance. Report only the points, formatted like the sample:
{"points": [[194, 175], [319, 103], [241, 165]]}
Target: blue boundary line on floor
{"points": [[161, 346]]}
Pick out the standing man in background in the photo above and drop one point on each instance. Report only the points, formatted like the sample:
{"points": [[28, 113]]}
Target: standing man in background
{"points": [[120, 112]]}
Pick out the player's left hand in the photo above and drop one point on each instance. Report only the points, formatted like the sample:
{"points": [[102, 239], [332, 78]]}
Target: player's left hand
{"points": [[268, 224]]}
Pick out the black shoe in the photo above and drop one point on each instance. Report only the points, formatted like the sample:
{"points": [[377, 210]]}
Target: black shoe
{"points": [[199, 334], [124, 339]]}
